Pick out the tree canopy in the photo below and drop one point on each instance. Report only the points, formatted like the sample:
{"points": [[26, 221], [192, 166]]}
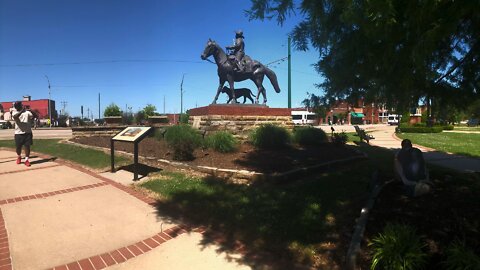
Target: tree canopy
{"points": [[390, 51], [112, 110]]}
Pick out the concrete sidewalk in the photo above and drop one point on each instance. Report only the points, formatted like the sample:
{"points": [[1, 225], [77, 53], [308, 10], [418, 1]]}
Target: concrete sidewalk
{"points": [[385, 137], [55, 215]]}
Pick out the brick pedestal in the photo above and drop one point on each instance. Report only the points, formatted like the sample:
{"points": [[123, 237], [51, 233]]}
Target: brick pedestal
{"points": [[238, 119]]}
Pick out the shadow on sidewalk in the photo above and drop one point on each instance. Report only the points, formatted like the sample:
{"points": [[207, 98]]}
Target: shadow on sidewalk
{"points": [[142, 169], [40, 161]]}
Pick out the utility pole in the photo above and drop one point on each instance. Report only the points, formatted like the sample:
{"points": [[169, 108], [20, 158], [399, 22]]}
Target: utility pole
{"points": [[49, 102], [64, 105], [289, 75], [98, 106], [163, 104], [181, 94]]}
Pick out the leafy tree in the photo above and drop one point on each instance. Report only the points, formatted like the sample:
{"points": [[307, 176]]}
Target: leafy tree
{"points": [[150, 110], [112, 110], [389, 51], [140, 117], [473, 110], [317, 104]]}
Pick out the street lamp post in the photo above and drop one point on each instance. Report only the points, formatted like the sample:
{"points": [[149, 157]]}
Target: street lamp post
{"points": [[49, 102]]}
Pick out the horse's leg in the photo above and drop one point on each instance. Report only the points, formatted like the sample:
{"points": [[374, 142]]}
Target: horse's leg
{"points": [[220, 86], [232, 90], [258, 82]]}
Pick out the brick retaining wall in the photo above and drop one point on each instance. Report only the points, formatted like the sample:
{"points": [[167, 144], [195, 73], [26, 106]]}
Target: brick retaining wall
{"points": [[238, 119]]}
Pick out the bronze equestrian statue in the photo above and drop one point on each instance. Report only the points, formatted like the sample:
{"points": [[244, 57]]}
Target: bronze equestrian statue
{"points": [[230, 72]]}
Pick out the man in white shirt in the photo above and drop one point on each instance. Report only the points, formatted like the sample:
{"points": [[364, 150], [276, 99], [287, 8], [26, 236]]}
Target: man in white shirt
{"points": [[23, 131]]}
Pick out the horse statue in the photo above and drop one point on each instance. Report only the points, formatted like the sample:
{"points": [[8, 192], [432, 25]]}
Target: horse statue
{"points": [[226, 71]]}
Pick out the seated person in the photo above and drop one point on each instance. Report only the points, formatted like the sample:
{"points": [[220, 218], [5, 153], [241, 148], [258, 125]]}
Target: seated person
{"points": [[411, 170]]}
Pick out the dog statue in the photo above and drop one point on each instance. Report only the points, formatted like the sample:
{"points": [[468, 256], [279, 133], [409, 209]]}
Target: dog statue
{"points": [[240, 92]]}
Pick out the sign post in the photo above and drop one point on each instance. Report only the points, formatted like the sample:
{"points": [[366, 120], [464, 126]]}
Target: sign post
{"points": [[129, 134]]}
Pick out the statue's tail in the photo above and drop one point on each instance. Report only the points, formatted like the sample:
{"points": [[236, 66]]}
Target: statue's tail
{"points": [[273, 79]]}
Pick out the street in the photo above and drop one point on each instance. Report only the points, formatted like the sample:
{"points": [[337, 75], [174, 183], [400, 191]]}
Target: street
{"points": [[43, 133]]}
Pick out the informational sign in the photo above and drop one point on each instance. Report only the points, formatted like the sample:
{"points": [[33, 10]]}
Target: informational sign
{"points": [[131, 134]]}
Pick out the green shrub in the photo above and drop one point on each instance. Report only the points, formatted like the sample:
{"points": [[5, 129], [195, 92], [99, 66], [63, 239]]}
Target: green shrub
{"points": [[448, 127], [183, 140], [270, 136], [340, 138], [459, 257], [222, 142], [308, 136], [420, 129], [397, 248], [183, 118], [112, 110]]}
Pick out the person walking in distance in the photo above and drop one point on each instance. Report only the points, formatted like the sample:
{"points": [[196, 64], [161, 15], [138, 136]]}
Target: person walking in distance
{"points": [[23, 131]]}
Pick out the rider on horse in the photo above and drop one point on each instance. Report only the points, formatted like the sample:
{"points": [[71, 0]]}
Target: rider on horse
{"points": [[238, 50]]}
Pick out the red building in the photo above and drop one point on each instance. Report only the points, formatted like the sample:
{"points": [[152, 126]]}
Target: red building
{"points": [[40, 107]]}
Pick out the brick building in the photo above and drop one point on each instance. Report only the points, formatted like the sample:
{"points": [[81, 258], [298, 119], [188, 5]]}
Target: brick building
{"points": [[342, 112], [40, 107]]}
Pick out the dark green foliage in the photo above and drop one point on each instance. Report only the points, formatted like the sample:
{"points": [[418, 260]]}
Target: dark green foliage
{"points": [[395, 51], [308, 136], [398, 248], [460, 257], [448, 127], [150, 110], [421, 129], [112, 110], [222, 142], [184, 118], [183, 140], [339, 138], [270, 136]]}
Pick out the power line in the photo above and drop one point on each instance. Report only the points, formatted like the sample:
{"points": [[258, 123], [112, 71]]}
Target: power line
{"points": [[105, 62]]}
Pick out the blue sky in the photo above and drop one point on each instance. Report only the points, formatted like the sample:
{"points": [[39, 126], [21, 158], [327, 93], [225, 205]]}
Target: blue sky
{"points": [[135, 52]]}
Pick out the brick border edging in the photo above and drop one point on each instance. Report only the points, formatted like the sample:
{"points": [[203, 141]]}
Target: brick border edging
{"points": [[126, 253], [99, 261], [5, 256], [50, 194]]}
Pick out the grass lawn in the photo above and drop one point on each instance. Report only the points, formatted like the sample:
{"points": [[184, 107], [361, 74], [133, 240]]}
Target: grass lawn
{"points": [[300, 222], [458, 143], [89, 157]]}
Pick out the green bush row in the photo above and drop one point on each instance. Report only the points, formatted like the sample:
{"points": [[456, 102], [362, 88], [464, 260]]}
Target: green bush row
{"points": [[414, 129], [183, 139]]}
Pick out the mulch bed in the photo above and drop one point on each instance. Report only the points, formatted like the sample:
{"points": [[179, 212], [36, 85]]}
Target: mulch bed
{"points": [[246, 158], [451, 211]]}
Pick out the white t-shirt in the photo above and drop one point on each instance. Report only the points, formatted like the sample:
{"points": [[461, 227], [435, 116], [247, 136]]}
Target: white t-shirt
{"points": [[23, 121]]}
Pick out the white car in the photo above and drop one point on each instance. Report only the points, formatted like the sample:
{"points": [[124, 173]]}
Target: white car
{"points": [[303, 118], [393, 119]]}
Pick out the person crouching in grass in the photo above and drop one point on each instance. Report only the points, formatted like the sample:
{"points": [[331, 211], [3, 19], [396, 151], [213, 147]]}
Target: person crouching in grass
{"points": [[23, 131]]}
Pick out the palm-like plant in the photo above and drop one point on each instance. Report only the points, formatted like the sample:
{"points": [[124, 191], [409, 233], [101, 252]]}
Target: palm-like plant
{"points": [[398, 247]]}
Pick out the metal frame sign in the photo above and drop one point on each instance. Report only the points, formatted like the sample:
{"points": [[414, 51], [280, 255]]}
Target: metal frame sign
{"points": [[129, 134]]}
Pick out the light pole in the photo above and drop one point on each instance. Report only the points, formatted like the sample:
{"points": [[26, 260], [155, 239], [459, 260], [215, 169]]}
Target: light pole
{"points": [[181, 95], [289, 75], [49, 101]]}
